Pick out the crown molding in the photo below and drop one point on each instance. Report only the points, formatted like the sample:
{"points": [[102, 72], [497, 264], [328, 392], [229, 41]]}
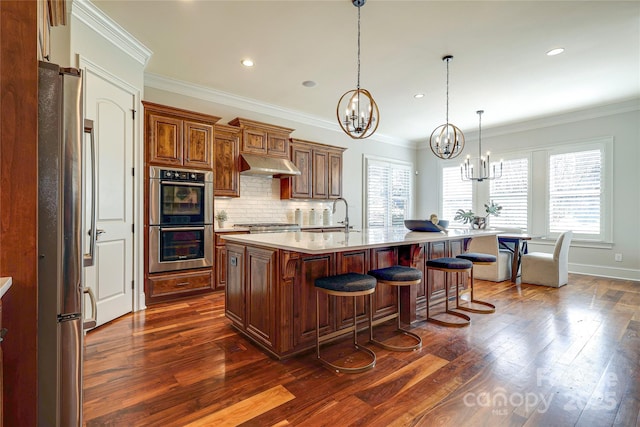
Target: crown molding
{"points": [[590, 113], [225, 98], [95, 19]]}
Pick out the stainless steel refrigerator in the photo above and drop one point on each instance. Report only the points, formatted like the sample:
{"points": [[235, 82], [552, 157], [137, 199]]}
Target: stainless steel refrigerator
{"points": [[60, 245]]}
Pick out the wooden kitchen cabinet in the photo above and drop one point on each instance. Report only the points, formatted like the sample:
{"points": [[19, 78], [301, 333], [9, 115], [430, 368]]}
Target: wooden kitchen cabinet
{"points": [[250, 297], [226, 155], [321, 172], [221, 259], [263, 138], [177, 137], [167, 286]]}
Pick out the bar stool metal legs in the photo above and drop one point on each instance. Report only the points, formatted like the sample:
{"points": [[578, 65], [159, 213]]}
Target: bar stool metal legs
{"points": [[395, 276], [448, 265], [345, 285], [477, 259]]}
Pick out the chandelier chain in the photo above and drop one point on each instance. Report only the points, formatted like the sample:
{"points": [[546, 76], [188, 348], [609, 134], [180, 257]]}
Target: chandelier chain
{"points": [[358, 85], [447, 92]]}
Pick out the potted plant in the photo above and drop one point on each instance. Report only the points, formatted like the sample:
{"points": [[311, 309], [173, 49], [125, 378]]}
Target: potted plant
{"points": [[478, 222], [221, 217]]}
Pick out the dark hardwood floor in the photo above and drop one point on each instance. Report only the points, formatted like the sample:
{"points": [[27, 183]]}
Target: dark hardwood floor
{"points": [[546, 357]]}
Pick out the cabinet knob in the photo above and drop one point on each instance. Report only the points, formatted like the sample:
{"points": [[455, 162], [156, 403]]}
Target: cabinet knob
{"points": [[3, 333]]}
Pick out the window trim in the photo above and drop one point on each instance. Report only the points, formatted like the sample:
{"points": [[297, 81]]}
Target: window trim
{"points": [[606, 222]]}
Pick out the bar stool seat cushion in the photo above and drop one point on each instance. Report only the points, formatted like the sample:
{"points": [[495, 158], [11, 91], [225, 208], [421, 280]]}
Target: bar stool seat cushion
{"points": [[478, 257], [450, 263], [397, 273], [348, 282]]}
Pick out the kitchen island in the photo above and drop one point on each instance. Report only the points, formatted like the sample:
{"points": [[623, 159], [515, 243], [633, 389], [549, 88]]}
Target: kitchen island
{"points": [[270, 293]]}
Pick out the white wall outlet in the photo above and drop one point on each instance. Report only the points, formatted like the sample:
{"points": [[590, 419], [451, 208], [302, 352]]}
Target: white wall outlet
{"points": [[618, 257]]}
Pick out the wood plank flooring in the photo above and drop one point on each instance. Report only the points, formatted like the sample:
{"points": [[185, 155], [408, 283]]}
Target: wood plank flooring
{"points": [[547, 357]]}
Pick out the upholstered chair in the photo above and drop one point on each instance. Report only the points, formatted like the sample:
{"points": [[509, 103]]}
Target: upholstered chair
{"points": [[501, 269], [548, 269]]}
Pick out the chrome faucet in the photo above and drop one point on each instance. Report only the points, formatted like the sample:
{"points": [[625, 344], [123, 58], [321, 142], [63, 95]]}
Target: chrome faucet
{"points": [[346, 213]]}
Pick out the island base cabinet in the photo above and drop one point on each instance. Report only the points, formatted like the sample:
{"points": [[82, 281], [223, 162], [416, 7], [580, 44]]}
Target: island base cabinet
{"points": [[235, 291], [261, 278], [304, 297]]}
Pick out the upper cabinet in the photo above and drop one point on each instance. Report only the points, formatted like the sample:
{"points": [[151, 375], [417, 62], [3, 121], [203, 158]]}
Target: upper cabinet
{"points": [[177, 137], [263, 138], [321, 172], [226, 154]]}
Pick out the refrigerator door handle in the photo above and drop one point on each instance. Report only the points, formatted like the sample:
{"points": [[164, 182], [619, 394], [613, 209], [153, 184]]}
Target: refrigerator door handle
{"points": [[89, 258], [91, 322]]}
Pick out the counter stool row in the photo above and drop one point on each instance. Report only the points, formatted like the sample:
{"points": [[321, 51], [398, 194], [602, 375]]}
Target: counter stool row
{"points": [[355, 284]]}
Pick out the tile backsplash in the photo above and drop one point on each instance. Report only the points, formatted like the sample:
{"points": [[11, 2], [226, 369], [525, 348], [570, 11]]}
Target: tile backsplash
{"points": [[259, 201]]}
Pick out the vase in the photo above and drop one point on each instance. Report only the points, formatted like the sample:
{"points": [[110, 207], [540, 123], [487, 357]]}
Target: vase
{"points": [[479, 223], [220, 224]]}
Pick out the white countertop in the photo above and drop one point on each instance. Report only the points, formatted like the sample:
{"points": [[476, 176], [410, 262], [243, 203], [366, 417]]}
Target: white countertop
{"points": [[5, 284], [339, 241]]}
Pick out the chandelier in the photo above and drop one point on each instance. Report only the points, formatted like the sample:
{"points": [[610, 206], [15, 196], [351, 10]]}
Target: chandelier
{"points": [[481, 168], [447, 140], [361, 115]]}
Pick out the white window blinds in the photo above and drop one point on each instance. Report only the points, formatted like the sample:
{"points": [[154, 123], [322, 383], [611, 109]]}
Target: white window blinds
{"points": [[511, 191], [575, 192], [388, 190], [456, 193]]}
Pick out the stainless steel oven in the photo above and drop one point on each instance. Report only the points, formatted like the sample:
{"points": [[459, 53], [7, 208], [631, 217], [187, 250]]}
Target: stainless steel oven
{"points": [[179, 248], [180, 196], [180, 219]]}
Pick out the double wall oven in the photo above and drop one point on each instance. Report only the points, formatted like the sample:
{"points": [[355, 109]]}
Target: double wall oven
{"points": [[180, 219]]}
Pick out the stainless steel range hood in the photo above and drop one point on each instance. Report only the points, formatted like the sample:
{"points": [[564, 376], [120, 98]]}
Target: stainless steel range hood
{"points": [[253, 164]]}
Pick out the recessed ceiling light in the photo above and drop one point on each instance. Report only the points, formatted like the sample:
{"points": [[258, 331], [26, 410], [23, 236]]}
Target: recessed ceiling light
{"points": [[556, 51], [247, 62], [418, 95], [309, 83]]}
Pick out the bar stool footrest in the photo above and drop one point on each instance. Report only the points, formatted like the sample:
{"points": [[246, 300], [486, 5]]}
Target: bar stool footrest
{"points": [[454, 324], [347, 370], [491, 309], [416, 346]]}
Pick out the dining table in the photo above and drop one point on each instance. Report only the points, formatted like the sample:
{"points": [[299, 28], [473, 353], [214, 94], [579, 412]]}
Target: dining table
{"points": [[516, 243]]}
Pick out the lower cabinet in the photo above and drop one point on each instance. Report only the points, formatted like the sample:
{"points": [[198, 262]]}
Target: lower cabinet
{"points": [[450, 248], [250, 295], [221, 259], [166, 286]]}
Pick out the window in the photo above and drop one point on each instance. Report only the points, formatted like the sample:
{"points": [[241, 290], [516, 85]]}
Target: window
{"points": [[387, 193], [511, 191], [575, 192], [456, 193], [544, 191]]}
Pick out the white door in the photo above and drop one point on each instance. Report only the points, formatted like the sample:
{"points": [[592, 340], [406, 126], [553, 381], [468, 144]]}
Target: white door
{"points": [[110, 106]]}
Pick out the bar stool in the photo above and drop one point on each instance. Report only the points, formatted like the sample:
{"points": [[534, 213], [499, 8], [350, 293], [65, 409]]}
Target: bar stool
{"points": [[479, 259], [397, 276], [448, 265], [344, 285]]}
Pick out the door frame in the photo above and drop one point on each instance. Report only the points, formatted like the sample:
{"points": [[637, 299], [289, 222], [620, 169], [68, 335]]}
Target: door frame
{"points": [[87, 65]]}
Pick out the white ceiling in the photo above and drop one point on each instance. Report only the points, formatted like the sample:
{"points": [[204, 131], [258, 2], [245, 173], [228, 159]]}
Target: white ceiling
{"points": [[499, 50]]}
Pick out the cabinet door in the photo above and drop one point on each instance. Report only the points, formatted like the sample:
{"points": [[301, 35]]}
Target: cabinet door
{"points": [[198, 144], [385, 300], [254, 141], [436, 278], [301, 185], [278, 144], [320, 178], [165, 140], [335, 175], [262, 278], [304, 295], [235, 291], [221, 267], [351, 262], [227, 174]]}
